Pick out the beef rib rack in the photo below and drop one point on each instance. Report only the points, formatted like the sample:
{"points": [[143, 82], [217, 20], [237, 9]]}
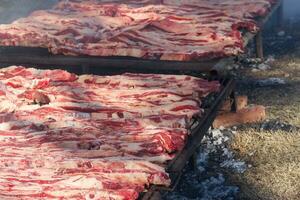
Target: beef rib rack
{"points": [[170, 30], [95, 137]]}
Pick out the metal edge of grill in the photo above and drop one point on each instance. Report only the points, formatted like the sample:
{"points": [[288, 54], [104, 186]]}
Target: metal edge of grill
{"points": [[175, 167]]}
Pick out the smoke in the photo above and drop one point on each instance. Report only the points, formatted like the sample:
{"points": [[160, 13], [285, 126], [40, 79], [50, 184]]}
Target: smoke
{"points": [[11, 10], [292, 9]]}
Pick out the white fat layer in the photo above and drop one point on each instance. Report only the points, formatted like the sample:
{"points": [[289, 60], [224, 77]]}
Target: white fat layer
{"points": [[82, 182]]}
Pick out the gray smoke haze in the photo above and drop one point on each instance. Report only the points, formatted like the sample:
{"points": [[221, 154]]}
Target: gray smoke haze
{"points": [[11, 10], [292, 9]]}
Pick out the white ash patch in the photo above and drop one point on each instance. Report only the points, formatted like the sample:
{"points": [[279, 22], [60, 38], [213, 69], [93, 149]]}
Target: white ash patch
{"points": [[217, 142], [207, 182], [215, 188], [270, 82], [211, 188], [263, 67], [244, 61], [271, 125], [256, 64], [281, 33], [230, 162]]}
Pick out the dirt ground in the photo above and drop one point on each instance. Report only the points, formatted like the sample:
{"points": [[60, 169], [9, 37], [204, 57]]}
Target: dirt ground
{"points": [[273, 155]]}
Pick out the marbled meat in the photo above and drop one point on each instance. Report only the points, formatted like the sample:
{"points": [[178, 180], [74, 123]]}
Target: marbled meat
{"points": [[181, 30], [64, 136]]}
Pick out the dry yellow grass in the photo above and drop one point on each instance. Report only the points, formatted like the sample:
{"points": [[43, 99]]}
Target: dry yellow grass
{"points": [[275, 160], [282, 103], [274, 156], [288, 67]]}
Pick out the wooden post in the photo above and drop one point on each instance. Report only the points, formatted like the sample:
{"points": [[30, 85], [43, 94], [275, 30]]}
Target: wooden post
{"points": [[259, 45]]}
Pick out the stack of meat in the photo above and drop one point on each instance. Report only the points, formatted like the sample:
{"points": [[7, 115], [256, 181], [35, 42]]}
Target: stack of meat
{"points": [[64, 136], [152, 29]]}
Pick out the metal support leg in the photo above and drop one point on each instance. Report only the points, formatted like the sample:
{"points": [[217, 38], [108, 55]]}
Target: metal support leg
{"points": [[193, 161], [213, 75], [259, 45], [234, 102]]}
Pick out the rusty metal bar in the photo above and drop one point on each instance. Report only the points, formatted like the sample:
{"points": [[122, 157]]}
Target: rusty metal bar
{"points": [[29, 56]]}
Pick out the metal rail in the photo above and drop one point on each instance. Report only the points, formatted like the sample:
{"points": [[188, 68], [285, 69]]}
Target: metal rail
{"points": [[41, 57]]}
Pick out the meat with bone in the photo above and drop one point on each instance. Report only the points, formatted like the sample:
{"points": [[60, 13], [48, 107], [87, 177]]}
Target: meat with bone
{"points": [[65, 149], [166, 30], [98, 136], [46, 177], [132, 95]]}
